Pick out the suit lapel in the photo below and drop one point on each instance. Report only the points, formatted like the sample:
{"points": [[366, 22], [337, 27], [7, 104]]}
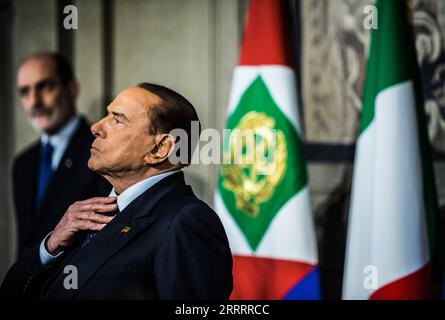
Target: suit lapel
{"points": [[110, 240], [28, 187], [70, 160]]}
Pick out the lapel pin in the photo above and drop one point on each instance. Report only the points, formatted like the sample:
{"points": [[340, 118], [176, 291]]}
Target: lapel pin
{"points": [[126, 229]]}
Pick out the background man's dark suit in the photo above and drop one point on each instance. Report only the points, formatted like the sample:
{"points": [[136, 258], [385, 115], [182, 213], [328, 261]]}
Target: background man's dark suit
{"points": [[176, 248], [72, 181]]}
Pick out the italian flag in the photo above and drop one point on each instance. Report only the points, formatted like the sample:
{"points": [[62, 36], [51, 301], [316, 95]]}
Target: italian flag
{"points": [[265, 205], [390, 232]]}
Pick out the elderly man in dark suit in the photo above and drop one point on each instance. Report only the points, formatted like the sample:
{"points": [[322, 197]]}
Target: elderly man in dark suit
{"points": [[52, 173], [152, 238]]}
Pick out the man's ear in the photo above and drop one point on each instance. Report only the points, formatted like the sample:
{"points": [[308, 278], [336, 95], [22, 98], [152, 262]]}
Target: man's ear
{"points": [[163, 147]]}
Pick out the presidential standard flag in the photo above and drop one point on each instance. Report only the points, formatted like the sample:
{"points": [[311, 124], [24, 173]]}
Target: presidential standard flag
{"points": [[265, 206], [390, 232]]}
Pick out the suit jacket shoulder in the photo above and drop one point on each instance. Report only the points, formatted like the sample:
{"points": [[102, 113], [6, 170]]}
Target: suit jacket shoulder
{"points": [[194, 248]]}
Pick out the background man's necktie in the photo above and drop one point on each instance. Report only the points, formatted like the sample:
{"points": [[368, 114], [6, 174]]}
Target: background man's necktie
{"points": [[45, 170], [90, 235]]}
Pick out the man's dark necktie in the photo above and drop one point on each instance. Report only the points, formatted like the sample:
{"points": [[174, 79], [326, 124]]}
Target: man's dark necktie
{"points": [[90, 235], [45, 170]]}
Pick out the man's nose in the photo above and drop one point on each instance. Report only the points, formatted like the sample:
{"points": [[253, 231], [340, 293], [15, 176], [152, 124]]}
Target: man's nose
{"points": [[35, 98], [97, 129]]}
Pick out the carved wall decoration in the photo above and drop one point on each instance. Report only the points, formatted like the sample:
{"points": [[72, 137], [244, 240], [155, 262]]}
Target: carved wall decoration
{"points": [[333, 68]]}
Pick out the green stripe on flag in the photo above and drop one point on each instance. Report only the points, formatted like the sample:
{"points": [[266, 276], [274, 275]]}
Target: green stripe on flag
{"points": [[386, 64]]}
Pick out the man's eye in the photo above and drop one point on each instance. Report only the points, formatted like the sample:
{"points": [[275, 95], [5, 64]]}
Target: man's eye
{"points": [[116, 121], [23, 92], [46, 85]]}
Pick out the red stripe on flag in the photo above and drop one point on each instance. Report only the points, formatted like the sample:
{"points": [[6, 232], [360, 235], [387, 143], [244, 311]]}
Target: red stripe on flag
{"points": [[265, 40], [265, 278], [415, 286]]}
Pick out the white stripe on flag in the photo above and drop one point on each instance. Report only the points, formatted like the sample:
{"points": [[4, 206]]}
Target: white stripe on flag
{"points": [[280, 81], [388, 221], [290, 236]]}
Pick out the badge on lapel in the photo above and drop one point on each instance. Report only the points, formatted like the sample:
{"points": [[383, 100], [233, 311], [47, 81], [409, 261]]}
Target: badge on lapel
{"points": [[68, 163], [126, 229]]}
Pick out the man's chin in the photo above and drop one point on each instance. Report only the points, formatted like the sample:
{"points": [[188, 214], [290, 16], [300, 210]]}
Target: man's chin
{"points": [[43, 124], [91, 165], [96, 167]]}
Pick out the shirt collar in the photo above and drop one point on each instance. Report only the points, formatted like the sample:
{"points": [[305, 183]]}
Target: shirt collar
{"points": [[131, 193], [63, 134]]}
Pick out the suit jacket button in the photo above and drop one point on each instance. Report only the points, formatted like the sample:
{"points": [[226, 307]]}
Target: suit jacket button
{"points": [[68, 163]]}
